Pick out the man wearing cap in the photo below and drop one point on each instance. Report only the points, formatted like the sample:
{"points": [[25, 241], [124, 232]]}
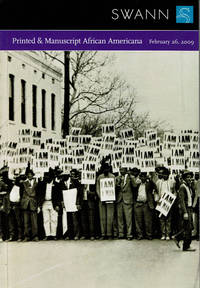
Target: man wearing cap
{"points": [[143, 207], [185, 200], [29, 206]]}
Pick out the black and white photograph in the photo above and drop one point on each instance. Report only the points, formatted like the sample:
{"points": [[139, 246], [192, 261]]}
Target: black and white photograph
{"points": [[99, 169]]}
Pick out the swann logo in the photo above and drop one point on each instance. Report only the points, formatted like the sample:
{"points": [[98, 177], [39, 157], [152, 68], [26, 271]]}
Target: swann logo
{"points": [[184, 14]]}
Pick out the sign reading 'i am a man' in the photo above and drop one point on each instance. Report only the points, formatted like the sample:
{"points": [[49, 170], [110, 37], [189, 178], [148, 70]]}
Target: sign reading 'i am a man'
{"points": [[107, 189]]}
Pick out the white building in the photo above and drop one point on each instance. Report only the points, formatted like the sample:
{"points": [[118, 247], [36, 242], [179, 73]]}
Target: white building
{"points": [[30, 94]]}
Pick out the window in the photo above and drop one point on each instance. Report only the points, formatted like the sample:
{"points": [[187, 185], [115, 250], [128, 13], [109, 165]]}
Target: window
{"points": [[53, 81], [53, 99], [11, 97], [43, 75], [43, 108], [34, 105], [23, 101], [9, 58]]}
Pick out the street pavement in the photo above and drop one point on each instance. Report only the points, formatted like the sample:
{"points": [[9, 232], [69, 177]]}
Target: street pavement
{"points": [[98, 264]]}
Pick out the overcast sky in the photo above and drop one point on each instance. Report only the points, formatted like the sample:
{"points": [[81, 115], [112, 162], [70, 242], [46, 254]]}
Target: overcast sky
{"points": [[166, 83]]}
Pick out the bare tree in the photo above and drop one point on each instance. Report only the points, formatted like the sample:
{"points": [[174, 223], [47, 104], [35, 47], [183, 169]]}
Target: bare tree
{"points": [[94, 89], [98, 95]]}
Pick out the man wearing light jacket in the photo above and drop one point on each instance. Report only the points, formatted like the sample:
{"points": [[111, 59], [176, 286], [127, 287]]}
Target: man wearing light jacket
{"points": [[106, 208]]}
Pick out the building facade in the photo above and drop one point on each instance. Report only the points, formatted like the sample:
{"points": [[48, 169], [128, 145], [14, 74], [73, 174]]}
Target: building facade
{"points": [[30, 95]]}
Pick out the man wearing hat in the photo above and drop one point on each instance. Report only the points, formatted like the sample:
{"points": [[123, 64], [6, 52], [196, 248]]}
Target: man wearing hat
{"points": [[49, 202], [163, 185], [4, 204], [29, 206], [185, 200], [106, 208], [15, 216], [73, 221], [124, 200], [143, 207]]}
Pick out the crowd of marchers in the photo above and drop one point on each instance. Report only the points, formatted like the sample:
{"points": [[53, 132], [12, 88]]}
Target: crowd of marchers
{"points": [[38, 211]]}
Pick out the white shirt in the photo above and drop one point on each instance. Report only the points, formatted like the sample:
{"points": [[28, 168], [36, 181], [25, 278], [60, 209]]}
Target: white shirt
{"points": [[86, 188], [142, 197], [48, 191], [163, 186]]}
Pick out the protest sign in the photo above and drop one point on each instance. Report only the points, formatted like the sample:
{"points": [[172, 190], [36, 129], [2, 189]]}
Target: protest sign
{"points": [[41, 160], [127, 133], [118, 144], [69, 199], [151, 139], [78, 157], [142, 141], [194, 161], [108, 129], [84, 140], [116, 160], [177, 158], [150, 134], [36, 137], [128, 155], [96, 141], [66, 163], [185, 138], [195, 141], [165, 203], [54, 154], [107, 145], [146, 158], [75, 131], [25, 136], [88, 173], [23, 155], [107, 189], [73, 140], [92, 153]]}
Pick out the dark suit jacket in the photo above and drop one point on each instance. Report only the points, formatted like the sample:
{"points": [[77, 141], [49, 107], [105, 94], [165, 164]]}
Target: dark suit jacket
{"points": [[29, 196], [183, 198], [150, 187], [125, 192], [55, 194], [4, 198], [74, 184]]}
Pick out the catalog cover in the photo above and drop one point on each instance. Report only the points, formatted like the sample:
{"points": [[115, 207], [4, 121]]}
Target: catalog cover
{"points": [[99, 144]]}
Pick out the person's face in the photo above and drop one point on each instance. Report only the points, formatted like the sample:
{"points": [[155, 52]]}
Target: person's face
{"points": [[165, 177], [122, 171], [188, 179], [143, 178], [49, 179], [30, 176], [73, 175]]}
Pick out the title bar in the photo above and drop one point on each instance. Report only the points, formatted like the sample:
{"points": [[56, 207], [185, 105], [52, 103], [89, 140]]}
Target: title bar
{"points": [[99, 40]]}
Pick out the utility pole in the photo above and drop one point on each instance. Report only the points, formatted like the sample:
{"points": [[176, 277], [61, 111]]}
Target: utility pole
{"points": [[66, 94]]}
